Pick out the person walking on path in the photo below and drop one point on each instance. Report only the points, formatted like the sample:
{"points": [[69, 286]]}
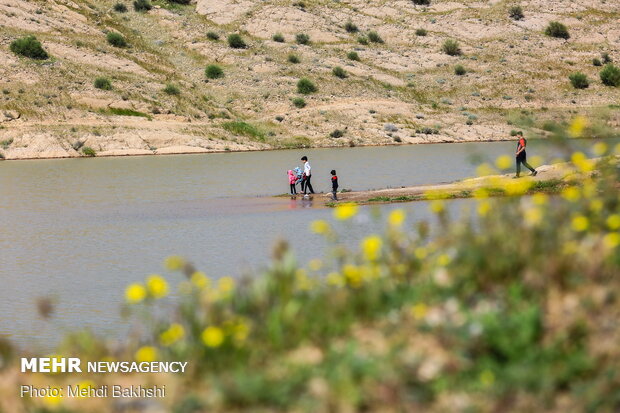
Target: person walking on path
{"points": [[522, 157], [305, 184], [334, 184]]}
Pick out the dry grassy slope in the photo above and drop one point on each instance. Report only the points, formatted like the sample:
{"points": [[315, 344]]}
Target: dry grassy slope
{"points": [[406, 81]]}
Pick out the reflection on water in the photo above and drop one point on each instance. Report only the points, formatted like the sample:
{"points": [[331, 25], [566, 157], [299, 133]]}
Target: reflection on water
{"points": [[80, 230]]}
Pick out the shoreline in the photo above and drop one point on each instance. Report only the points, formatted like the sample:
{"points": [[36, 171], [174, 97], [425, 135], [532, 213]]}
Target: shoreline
{"points": [[121, 155]]}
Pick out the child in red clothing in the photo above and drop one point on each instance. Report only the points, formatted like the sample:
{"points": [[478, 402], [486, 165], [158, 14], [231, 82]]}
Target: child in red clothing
{"points": [[292, 180]]}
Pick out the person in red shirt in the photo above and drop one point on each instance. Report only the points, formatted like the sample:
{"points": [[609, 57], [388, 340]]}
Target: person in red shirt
{"points": [[334, 184], [521, 156]]}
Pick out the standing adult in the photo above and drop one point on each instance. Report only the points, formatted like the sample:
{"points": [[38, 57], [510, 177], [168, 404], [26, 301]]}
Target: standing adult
{"points": [[521, 155], [306, 185]]}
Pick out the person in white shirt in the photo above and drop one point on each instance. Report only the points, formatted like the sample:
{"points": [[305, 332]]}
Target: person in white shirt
{"points": [[306, 185]]}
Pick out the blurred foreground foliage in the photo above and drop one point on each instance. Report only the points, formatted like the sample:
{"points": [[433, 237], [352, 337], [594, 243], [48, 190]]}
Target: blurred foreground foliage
{"points": [[510, 308]]}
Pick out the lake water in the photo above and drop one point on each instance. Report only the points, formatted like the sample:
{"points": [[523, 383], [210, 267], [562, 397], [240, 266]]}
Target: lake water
{"points": [[80, 230]]}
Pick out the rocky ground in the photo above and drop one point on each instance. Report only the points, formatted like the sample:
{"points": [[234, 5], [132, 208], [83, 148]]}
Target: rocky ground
{"points": [[403, 90]]}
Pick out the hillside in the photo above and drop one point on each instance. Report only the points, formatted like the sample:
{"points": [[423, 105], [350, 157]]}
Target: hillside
{"points": [[403, 88]]}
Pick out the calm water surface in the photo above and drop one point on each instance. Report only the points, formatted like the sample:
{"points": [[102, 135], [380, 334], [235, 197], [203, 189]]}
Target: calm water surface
{"points": [[80, 230]]}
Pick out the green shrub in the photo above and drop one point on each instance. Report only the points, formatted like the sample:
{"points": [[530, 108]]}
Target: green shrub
{"points": [[302, 38], [374, 37], [180, 1], [245, 129], [278, 37], [459, 70], [579, 80], [421, 32], [128, 112], [610, 75], [606, 58], [422, 2], [339, 72], [336, 133], [451, 48], [88, 151], [213, 35], [172, 90], [350, 27], [30, 47], [558, 30], [293, 58], [362, 40], [116, 39], [596, 62], [305, 86], [299, 102], [236, 41], [516, 13], [103, 83], [142, 5], [120, 8], [353, 56], [214, 72]]}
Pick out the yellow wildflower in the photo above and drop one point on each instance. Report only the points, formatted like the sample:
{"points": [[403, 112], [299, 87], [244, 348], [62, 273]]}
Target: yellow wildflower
{"points": [[320, 226], [200, 280], [157, 286], [503, 162], [396, 218], [226, 284], [533, 216], [135, 293], [335, 279], [571, 194], [611, 240], [146, 354], [599, 149], [345, 211], [580, 223], [613, 222], [213, 336], [173, 334], [577, 126], [484, 169], [515, 187], [540, 199], [53, 398], [353, 275], [315, 264], [483, 208], [596, 205], [174, 263], [481, 193], [443, 260], [303, 283], [371, 247], [437, 206], [241, 331], [419, 311], [420, 253]]}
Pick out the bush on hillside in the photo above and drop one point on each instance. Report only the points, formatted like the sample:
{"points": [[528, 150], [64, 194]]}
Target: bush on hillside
{"points": [[374, 37], [299, 103], [180, 1], [172, 90], [350, 27], [362, 40], [278, 37], [516, 13], [610, 75], [142, 5], [30, 47], [459, 70], [421, 32], [451, 48], [293, 58], [306, 87], [558, 30], [353, 56], [116, 39], [103, 83], [214, 72], [339, 72], [596, 62], [579, 80], [302, 38], [236, 41], [606, 58], [120, 8], [88, 151], [422, 2], [213, 36]]}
